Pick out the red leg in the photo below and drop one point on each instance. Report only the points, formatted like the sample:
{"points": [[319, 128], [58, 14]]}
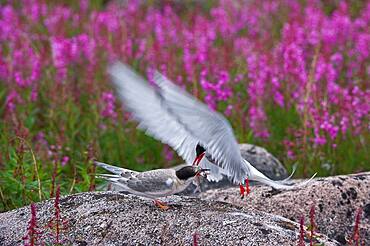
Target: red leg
{"points": [[247, 189], [161, 205], [242, 190]]}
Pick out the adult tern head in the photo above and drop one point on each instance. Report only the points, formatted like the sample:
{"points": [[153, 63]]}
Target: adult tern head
{"points": [[154, 183], [173, 116]]}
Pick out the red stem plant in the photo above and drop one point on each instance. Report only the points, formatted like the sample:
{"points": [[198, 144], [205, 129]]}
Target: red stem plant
{"points": [[356, 239], [312, 224], [32, 236], [195, 239], [57, 224]]}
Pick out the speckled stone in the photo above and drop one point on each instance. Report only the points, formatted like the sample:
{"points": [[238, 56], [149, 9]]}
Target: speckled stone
{"points": [[111, 218], [336, 200]]}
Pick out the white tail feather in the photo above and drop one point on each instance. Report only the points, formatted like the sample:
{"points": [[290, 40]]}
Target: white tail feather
{"points": [[291, 175], [279, 185]]}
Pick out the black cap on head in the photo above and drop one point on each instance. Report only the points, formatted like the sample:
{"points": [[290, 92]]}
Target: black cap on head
{"points": [[199, 149], [186, 172]]}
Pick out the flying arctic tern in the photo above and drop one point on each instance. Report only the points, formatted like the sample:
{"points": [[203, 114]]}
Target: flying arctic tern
{"points": [[173, 116]]}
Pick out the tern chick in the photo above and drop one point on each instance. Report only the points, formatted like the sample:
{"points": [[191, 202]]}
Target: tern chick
{"points": [[154, 183]]}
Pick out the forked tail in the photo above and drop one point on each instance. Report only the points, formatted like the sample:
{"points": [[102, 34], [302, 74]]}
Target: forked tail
{"points": [[279, 184]]}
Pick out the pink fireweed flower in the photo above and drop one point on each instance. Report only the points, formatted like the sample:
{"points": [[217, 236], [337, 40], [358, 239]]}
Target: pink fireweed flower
{"points": [[40, 138], [337, 59], [235, 46], [25, 66], [109, 108], [290, 146], [12, 100], [168, 153], [290, 154], [344, 124], [34, 94], [9, 23], [87, 46], [258, 73], [228, 110], [238, 78], [34, 10], [257, 116], [294, 62], [318, 139], [60, 53], [188, 62], [215, 92], [64, 161], [278, 97], [3, 68], [56, 19], [63, 51]]}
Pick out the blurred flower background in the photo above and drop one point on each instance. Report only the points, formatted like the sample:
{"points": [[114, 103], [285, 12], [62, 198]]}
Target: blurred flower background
{"points": [[291, 76]]}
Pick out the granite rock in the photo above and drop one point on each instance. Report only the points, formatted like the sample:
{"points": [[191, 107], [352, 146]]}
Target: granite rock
{"points": [[336, 201], [112, 218]]}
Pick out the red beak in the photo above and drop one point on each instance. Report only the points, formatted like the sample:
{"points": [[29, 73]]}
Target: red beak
{"points": [[198, 159]]}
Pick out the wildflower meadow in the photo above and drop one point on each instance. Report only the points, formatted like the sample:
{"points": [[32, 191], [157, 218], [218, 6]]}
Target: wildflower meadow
{"points": [[290, 76]]}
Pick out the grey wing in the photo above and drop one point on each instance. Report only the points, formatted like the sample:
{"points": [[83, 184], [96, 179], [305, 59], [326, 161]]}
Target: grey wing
{"points": [[146, 106], [123, 172], [154, 181], [211, 128]]}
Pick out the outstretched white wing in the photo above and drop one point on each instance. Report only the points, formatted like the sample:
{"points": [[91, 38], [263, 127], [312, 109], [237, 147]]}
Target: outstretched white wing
{"points": [[211, 128], [147, 107]]}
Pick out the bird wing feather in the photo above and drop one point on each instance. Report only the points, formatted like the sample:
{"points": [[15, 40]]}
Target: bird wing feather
{"points": [[144, 102], [210, 127], [152, 181], [114, 169], [146, 105]]}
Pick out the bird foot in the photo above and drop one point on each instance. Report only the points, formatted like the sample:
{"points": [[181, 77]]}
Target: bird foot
{"points": [[242, 191], [161, 205], [245, 190]]}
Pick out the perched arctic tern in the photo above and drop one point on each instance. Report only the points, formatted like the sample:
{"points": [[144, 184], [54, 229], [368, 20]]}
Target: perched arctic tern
{"points": [[173, 116], [154, 183]]}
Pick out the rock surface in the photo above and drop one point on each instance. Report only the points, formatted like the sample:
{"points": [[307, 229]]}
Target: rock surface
{"points": [[111, 218], [336, 200]]}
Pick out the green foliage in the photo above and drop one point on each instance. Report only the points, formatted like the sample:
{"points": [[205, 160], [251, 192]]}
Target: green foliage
{"points": [[53, 140]]}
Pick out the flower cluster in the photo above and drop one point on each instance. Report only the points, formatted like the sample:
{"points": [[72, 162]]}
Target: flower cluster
{"points": [[244, 58]]}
